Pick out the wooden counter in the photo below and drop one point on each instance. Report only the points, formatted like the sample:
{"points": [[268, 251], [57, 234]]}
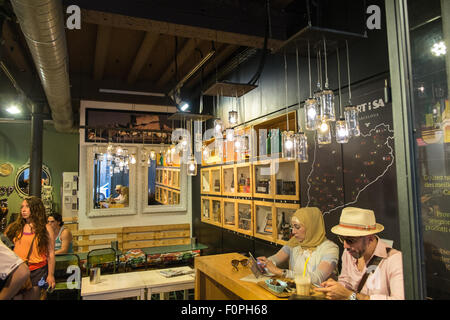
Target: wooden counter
{"points": [[216, 279]]}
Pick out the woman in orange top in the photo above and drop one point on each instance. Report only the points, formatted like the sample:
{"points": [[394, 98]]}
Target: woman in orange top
{"points": [[32, 224]]}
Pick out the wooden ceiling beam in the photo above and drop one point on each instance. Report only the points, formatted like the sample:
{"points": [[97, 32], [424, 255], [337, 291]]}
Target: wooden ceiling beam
{"points": [[147, 46], [182, 57], [178, 30], [101, 50]]}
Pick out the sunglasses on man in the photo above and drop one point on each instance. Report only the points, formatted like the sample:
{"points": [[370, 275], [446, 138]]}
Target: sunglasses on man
{"points": [[349, 240]]}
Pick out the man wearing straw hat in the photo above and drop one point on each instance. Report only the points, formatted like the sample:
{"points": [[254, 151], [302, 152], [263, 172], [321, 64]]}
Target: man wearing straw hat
{"points": [[371, 270]]}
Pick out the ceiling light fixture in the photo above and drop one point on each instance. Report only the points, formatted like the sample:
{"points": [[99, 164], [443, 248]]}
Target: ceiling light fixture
{"points": [[13, 109], [439, 49]]}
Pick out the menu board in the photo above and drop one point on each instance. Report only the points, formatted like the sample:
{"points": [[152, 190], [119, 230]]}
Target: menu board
{"points": [[360, 173]]}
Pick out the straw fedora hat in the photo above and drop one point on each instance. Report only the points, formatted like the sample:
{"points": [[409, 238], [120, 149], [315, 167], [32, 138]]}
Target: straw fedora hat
{"points": [[357, 222]]}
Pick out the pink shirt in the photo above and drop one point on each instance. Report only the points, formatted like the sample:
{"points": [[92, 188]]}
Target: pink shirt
{"points": [[386, 283]]}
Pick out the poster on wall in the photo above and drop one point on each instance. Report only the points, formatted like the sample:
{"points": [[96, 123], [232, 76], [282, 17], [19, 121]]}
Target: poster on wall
{"points": [[360, 173], [70, 196]]}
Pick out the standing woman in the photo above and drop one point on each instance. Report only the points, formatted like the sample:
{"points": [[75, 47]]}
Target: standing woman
{"points": [[32, 236], [308, 244]]}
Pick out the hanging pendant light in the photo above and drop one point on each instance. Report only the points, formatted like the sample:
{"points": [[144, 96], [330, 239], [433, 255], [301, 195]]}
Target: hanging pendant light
{"points": [[232, 117], [327, 112], [301, 146], [218, 126], [288, 150], [191, 164], [230, 135], [312, 105], [152, 154], [132, 159], [342, 134], [351, 112]]}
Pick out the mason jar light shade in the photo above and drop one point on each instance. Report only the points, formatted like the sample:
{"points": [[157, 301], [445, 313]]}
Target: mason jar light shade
{"points": [[311, 114], [327, 112], [230, 135], [218, 126], [351, 114], [133, 159], [119, 150], [232, 117], [342, 133], [288, 150], [152, 155], [301, 146], [144, 158], [205, 153], [191, 166], [324, 133], [168, 157]]}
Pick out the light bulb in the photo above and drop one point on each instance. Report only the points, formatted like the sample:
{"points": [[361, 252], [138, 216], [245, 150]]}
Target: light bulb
{"points": [[132, 159], [312, 113], [152, 155], [324, 126], [288, 145], [324, 133]]}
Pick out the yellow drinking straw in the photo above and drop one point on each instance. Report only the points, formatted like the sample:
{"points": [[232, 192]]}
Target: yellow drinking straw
{"points": [[304, 267]]}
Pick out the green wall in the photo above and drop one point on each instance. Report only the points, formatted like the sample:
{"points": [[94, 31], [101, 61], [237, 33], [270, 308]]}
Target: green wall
{"points": [[60, 155]]}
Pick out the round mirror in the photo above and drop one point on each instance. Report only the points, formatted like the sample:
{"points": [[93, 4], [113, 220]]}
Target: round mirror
{"points": [[22, 181]]}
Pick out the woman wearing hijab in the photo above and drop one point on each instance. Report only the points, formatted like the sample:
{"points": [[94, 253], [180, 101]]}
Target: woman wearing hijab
{"points": [[308, 241]]}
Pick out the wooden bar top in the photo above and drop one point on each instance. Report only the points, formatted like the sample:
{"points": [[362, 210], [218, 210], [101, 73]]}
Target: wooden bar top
{"points": [[219, 269]]}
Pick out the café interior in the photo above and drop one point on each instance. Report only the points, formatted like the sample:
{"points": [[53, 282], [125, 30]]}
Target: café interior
{"points": [[177, 139]]}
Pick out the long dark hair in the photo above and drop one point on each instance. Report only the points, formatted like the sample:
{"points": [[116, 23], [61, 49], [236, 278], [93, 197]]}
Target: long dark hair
{"points": [[39, 221]]}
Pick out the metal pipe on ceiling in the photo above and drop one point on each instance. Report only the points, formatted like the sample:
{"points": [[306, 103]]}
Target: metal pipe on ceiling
{"points": [[42, 23]]}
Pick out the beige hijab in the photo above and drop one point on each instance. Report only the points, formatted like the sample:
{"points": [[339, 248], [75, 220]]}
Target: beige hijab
{"points": [[311, 218]]}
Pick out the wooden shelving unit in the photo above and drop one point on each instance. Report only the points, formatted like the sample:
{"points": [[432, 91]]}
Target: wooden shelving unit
{"points": [[264, 226], [167, 188]]}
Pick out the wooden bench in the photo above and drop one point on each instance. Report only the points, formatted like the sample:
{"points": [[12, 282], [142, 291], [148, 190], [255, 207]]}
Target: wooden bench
{"points": [[156, 236], [89, 239]]}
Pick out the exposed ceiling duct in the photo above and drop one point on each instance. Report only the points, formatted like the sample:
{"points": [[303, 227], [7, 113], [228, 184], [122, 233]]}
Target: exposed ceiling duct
{"points": [[42, 23]]}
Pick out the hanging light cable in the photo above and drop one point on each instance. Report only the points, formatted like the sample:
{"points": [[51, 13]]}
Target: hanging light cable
{"points": [[191, 163], [327, 97], [311, 104], [288, 149], [300, 140], [351, 112], [341, 125]]}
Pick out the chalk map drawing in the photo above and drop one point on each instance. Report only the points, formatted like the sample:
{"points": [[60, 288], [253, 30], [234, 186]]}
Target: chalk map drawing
{"points": [[376, 146]]}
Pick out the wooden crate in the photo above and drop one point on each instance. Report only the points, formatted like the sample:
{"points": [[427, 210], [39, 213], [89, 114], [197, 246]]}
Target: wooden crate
{"points": [[89, 239], [156, 236]]}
